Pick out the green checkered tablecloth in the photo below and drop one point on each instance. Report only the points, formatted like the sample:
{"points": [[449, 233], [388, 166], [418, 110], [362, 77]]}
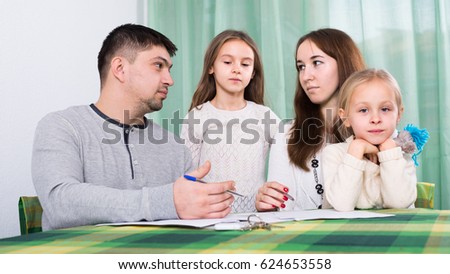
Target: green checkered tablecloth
{"points": [[409, 231]]}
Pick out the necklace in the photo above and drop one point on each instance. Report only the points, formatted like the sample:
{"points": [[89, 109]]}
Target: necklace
{"points": [[319, 187]]}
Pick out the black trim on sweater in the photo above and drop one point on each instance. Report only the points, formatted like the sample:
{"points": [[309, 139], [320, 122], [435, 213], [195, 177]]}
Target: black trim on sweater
{"points": [[126, 132]]}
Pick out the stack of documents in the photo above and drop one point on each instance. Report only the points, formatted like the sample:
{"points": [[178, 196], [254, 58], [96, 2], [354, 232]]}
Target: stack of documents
{"points": [[239, 220]]}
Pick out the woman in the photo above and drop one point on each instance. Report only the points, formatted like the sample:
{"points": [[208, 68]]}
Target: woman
{"points": [[325, 58]]}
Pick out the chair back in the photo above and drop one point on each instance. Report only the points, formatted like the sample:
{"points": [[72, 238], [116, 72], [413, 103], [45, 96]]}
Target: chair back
{"points": [[30, 214], [425, 195]]}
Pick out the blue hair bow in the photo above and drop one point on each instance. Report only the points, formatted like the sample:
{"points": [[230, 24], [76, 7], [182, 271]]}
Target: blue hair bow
{"points": [[411, 139]]}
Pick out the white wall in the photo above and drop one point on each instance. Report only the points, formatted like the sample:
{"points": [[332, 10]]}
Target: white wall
{"points": [[48, 61]]}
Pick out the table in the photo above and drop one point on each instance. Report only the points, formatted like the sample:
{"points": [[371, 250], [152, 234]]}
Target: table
{"points": [[409, 231]]}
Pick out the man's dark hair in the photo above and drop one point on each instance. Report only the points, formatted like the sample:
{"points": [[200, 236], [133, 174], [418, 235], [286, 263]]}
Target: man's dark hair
{"points": [[127, 41]]}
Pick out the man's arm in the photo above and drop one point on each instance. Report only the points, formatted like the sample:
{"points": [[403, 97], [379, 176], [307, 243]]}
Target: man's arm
{"points": [[58, 176]]}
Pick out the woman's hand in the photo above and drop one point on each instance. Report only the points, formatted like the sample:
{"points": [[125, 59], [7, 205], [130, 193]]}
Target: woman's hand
{"points": [[271, 196]]}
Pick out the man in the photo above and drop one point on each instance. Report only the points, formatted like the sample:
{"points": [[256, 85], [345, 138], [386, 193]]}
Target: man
{"points": [[100, 163]]}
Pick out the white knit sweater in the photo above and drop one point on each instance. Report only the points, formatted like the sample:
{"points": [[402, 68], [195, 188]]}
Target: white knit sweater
{"points": [[235, 142], [353, 183]]}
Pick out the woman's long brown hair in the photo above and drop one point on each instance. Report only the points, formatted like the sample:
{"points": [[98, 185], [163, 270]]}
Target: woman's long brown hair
{"points": [[308, 132]]}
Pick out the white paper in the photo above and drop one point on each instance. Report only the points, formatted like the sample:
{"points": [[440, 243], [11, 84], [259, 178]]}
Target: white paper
{"points": [[199, 223], [328, 214], [268, 217]]}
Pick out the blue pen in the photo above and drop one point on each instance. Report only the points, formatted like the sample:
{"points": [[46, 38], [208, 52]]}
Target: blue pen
{"points": [[194, 179]]}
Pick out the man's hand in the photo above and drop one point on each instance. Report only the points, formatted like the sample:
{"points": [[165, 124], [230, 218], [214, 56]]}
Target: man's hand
{"points": [[195, 200]]}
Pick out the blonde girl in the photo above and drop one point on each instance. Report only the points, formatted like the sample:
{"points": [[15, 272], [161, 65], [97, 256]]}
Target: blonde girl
{"points": [[369, 169]]}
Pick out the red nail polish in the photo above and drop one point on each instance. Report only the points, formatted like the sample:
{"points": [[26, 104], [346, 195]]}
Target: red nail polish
{"points": [[285, 198], [285, 189], [283, 205], [273, 206]]}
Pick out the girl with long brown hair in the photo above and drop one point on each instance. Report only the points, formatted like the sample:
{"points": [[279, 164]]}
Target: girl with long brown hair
{"points": [[228, 123]]}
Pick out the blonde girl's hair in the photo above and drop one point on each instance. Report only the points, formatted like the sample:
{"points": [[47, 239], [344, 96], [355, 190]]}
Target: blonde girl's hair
{"points": [[359, 78], [206, 88]]}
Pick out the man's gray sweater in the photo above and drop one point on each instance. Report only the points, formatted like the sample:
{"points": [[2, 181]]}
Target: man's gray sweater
{"points": [[89, 169]]}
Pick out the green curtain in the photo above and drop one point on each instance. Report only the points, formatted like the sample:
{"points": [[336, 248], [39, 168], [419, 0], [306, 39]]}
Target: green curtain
{"points": [[409, 38]]}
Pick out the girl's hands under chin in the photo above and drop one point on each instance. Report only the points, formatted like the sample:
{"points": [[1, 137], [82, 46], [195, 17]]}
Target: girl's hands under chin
{"points": [[360, 147], [388, 144]]}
